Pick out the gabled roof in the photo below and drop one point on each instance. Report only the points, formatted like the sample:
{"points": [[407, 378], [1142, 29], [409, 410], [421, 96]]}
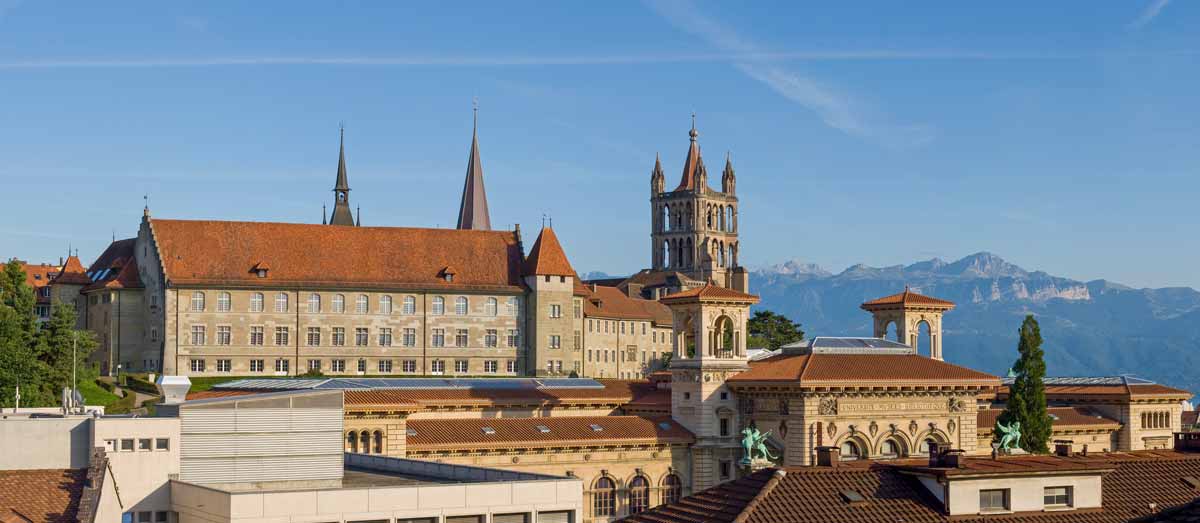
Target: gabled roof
{"points": [[1062, 418], [42, 496], [547, 257], [907, 297], [542, 432], [823, 368], [319, 256], [124, 275], [711, 291], [37, 275], [72, 272], [612, 303]]}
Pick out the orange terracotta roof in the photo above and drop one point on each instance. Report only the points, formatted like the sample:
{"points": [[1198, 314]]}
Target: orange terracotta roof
{"points": [[125, 277], [612, 303], [826, 368], [712, 291], [50, 496], [817, 494], [615, 393], [223, 393], [316, 255], [72, 273], [37, 275], [1063, 418], [1154, 389], [449, 434], [908, 298], [1148, 390], [547, 257]]}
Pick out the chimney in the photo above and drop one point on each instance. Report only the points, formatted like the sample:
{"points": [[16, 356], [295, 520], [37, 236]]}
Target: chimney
{"points": [[174, 391], [828, 456], [633, 290], [1062, 448]]}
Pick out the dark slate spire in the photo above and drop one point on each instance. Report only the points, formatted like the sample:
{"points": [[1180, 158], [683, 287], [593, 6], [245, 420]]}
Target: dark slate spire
{"points": [[341, 189], [473, 211]]}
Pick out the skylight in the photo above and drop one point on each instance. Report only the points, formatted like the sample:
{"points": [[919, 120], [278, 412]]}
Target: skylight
{"points": [[852, 497], [596, 427], [488, 430], [410, 432], [664, 425], [543, 429]]}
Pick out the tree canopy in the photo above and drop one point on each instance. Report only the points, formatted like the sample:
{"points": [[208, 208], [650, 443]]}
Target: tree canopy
{"points": [[1027, 395], [770, 330]]}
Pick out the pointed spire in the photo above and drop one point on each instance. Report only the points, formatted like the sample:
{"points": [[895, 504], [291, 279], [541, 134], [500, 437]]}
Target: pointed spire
{"points": [[728, 178], [341, 188], [323, 214], [693, 163], [358, 211], [473, 209], [342, 184]]}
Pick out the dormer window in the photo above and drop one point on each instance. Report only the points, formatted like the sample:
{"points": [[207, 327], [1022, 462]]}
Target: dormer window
{"points": [[260, 269]]}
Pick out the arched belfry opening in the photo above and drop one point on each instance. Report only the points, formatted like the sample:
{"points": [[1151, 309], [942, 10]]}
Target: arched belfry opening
{"points": [[915, 318]]}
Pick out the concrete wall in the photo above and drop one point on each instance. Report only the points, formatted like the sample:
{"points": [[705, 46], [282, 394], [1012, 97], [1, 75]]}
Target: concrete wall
{"points": [[139, 474], [44, 443], [1025, 493]]}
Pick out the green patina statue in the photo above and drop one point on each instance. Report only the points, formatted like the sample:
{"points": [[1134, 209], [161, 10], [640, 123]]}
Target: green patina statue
{"points": [[1010, 435], [755, 442]]}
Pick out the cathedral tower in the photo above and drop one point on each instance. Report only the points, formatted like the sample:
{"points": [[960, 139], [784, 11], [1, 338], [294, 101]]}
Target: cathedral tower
{"points": [[694, 228], [341, 188]]}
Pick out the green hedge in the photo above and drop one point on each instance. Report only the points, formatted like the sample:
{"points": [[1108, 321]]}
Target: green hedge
{"points": [[122, 406], [94, 393], [140, 384]]}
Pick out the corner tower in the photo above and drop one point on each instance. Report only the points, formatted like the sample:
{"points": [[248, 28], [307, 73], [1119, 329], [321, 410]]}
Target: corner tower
{"points": [[694, 228], [341, 188], [907, 311], [709, 342]]}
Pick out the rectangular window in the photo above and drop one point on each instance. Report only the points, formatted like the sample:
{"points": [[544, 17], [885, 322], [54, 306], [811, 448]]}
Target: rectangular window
{"points": [[360, 336], [362, 366], [724, 468], [622, 327], [491, 366], [162, 444], [281, 335], [385, 337], [256, 335], [410, 337], [555, 341], [160, 516], [577, 367], [460, 366], [724, 427], [409, 366], [513, 338], [154, 334], [314, 365], [385, 366], [993, 500], [490, 338], [224, 335], [197, 365], [589, 325], [513, 307], [578, 340], [224, 366], [1057, 496], [339, 336], [460, 338], [439, 338], [314, 336], [437, 366], [643, 329], [198, 335], [145, 516], [510, 366], [282, 365], [145, 444], [578, 305], [558, 366], [337, 365], [556, 311], [256, 365], [127, 445]]}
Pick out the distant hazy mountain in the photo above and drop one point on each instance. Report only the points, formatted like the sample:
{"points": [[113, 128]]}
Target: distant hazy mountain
{"points": [[1090, 328]]}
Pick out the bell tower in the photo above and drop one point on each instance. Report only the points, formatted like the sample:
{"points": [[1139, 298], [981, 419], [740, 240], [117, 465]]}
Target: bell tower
{"points": [[693, 227], [907, 311], [709, 342]]}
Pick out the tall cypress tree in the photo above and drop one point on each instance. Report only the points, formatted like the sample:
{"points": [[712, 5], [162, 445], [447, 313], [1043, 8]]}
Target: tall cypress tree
{"points": [[1027, 395], [19, 365]]}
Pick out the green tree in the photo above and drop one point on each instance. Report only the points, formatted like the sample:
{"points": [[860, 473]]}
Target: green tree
{"points": [[57, 341], [19, 365], [770, 330], [1027, 394]]}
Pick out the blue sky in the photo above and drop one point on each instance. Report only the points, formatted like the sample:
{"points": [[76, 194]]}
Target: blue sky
{"points": [[1062, 136]]}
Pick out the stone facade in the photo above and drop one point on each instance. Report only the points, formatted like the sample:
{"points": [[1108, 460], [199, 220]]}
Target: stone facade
{"points": [[622, 348]]}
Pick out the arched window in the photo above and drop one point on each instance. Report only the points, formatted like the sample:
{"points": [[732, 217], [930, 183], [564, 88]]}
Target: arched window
{"points": [[672, 489], [339, 303], [224, 302], [927, 445], [364, 439], [491, 307], [197, 301], [729, 220], [281, 302], [850, 451], [352, 441], [410, 305], [385, 304], [604, 497], [439, 305], [889, 449], [256, 302], [460, 306], [361, 304], [379, 442], [923, 341], [314, 302], [639, 494]]}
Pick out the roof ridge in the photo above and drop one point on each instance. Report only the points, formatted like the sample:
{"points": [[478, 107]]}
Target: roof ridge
{"points": [[747, 511]]}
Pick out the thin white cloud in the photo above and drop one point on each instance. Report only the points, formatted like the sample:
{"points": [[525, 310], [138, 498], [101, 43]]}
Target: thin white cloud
{"points": [[1149, 14]]}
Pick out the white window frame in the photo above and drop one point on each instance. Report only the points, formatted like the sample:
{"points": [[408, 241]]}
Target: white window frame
{"points": [[314, 303], [362, 304], [256, 302], [339, 303], [461, 306], [281, 302], [224, 302], [410, 305], [197, 301], [438, 307]]}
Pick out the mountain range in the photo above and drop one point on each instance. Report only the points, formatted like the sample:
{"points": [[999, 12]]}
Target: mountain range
{"points": [[1093, 328]]}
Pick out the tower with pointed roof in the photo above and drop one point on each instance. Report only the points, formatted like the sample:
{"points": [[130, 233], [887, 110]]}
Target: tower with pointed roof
{"points": [[473, 209], [693, 227], [341, 188], [907, 311], [551, 321]]}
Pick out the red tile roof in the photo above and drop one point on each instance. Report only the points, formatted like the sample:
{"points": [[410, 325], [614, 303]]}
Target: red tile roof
{"points": [[712, 291], [72, 273], [851, 369], [316, 255], [547, 257], [908, 298], [1148, 390], [612, 303], [815, 494], [37, 275], [50, 496], [1065, 418], [614, 393], [451, 434]]}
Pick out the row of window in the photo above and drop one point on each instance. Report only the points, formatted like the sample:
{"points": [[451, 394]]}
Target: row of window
{"points": [[619, 327], [384, 366], [630, 354], [604, 494], [1000, 500], [137, 444], [314, 336], [1156, 420], [362, 304]]}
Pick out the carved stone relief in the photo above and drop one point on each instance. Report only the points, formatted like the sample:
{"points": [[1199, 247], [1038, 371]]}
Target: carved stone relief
{"points": [[828, 407], [831, 429], [873, 428], [912, 428], [951, 426], [956, 404]]}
